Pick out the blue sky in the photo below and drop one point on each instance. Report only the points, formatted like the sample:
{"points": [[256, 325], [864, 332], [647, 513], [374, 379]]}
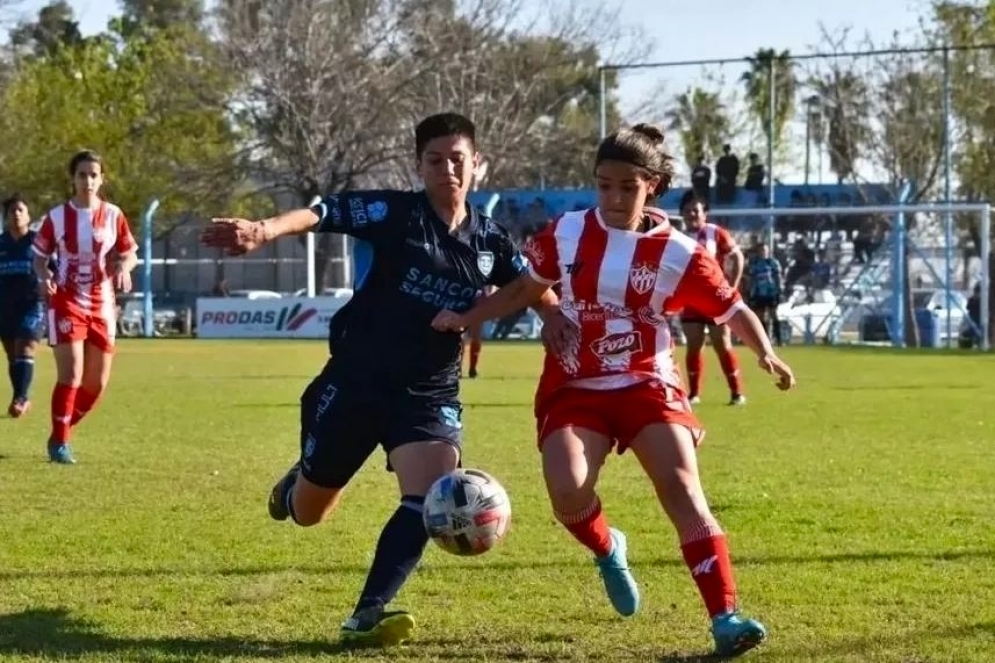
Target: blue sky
{"points": [[695, 29]]}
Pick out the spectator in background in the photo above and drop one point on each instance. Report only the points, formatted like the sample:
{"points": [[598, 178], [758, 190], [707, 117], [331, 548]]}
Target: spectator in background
{"points": [[221, 289], [701, 179], [726, 174], [801, 265], [755, 174], [863, 243], [763, 280], [821, 271]]}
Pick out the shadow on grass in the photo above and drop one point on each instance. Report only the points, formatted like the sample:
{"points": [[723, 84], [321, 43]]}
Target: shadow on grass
{"points": [[55, 633], [491, 566]]}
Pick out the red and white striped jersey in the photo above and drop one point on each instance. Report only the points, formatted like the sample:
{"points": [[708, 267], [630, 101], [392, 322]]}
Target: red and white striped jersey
{"points": [[716, 240], [616, 286], [82, 239]]}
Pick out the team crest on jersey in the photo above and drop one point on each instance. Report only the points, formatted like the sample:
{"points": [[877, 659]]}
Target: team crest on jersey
{"points": [[485, 262], [642, 278]]}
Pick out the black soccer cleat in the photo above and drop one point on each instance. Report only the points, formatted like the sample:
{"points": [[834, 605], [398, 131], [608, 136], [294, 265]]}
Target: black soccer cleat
{"points": [[278, 496]]}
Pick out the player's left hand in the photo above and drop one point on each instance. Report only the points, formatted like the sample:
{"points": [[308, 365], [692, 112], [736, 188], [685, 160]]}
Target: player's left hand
{"points": [[122, 279], [775, 366], [448, 321], [234, 236]]}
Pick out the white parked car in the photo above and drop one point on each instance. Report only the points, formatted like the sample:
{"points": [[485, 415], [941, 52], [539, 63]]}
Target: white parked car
{"points": [[327, 292], [255, 294]]}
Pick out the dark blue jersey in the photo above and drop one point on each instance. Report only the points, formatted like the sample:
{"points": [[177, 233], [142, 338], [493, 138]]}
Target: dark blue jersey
{"points": [[764, 275], [408, 268], [18, 284]]}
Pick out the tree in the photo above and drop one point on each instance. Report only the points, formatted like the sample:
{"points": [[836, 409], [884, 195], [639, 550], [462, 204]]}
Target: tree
{"points": [[154, 113], [528, 80], [843, 97], [330, 92], [757, 83], [702, 122], [972, 74], [160, 14], [55, 26], [139, 16]]}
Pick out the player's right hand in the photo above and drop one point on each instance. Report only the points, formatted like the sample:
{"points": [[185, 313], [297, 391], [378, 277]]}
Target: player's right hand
{"points": [[448, 321], [772, 364], [558, 333], [234, 236]]}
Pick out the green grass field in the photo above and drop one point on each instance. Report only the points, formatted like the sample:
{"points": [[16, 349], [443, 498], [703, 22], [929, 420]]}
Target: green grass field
{"points": [[860, 509]]}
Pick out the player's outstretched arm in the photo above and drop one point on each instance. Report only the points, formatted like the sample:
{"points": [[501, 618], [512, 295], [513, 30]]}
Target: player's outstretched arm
{"points": [[523, 291], [748, 327], [239, 236]]}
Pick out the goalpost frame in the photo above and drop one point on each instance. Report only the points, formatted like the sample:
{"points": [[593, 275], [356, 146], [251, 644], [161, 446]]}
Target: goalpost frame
{"points": [[898, 256]]}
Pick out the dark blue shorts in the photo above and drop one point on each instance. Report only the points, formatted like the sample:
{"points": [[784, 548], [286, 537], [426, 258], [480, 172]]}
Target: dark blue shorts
{"points": [[344, 419], [21, 322]]}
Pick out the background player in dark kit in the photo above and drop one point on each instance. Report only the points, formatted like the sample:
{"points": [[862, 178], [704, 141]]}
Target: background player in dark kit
{"points": [[392, 379], [21, 307]]}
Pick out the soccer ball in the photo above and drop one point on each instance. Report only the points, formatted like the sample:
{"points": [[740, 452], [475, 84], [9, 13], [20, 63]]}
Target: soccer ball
{"points": [[467, 512]]}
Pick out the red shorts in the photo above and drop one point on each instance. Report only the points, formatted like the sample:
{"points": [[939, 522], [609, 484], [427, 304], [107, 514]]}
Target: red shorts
{"points": [[617, 413], [67, 323]]}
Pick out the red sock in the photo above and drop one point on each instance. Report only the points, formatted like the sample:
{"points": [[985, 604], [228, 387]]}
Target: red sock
{"points": [[730, 366], [707, 556], [85, 400], [474, 354], [63, 401], [695, 363], [590, 527]]}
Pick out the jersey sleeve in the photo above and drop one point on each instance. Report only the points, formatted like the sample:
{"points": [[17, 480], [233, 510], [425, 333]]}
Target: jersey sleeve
{"points": [[367, 215], [44, 242], [125, 239], [509, 263], [705, 289], [543, 259], [725, 243]]}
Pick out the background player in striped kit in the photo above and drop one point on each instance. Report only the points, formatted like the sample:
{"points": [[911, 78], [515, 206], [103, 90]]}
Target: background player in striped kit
{"points": [[20, 305], [96, 253], [719, 244], [620, 271]]}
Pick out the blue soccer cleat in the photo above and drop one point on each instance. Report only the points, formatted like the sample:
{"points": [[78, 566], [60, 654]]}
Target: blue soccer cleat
{"points": [[619, 583], [61, 453], [278, 509], [375, 628], [735, 635]]}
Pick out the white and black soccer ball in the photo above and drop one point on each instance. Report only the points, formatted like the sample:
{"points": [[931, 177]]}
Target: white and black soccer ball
{"points": [[467, 512]]}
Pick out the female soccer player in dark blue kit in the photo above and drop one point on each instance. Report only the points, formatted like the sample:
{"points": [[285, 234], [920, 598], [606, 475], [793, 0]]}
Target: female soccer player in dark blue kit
{"points": [[20, 305], [392, 380]]}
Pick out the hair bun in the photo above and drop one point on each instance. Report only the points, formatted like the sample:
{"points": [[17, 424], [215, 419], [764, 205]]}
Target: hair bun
{"points": [[653, 132]]}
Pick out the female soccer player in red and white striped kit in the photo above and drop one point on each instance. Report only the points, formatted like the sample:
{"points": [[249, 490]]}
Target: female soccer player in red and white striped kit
{"points": [[96, 253], [616, 386], [720, 244]]}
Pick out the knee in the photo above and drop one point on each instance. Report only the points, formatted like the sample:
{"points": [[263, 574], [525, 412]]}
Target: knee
{"points": [[568, 496], [94, 387], [309, 512], [684, 502]]}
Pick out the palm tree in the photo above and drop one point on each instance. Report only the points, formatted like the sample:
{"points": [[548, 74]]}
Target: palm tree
{"points": [[757, 80], [700, 118], [845, 100]]}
